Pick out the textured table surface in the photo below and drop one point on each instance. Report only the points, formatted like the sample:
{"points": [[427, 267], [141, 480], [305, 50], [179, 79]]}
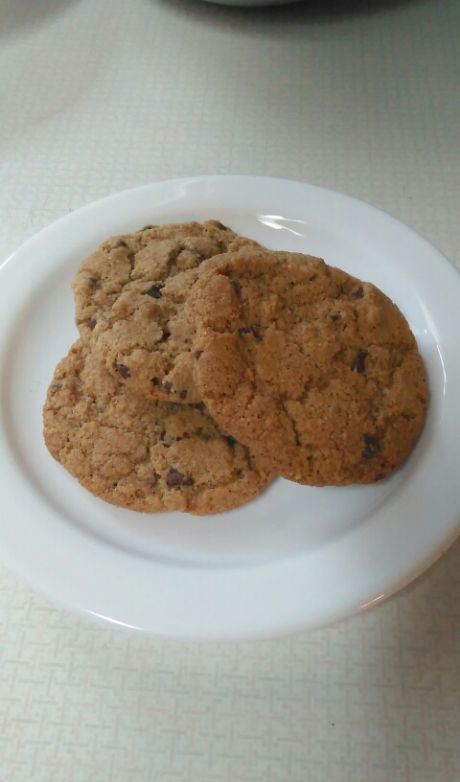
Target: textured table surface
{"points": [[362, 97]]}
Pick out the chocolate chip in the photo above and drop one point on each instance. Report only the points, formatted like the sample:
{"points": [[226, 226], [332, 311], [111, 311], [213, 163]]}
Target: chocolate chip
{"points": [[236, 286], [131, 260], [154, 291], [156, 381], [359, 362], [183, 393], [250, 330], [161, 436], [371, 446], [115, 246], [221, 226], [167, 386], [358, 293], [174, 479], [166, 335], [92, 323], [335, 317], [197, 354], [123, 370], [95, 283], [145, 228], [198, 406]]}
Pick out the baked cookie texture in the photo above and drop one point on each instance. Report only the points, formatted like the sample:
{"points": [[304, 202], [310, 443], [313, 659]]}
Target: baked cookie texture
{"points": [[315, 371], [129, 298], [143, 454]]}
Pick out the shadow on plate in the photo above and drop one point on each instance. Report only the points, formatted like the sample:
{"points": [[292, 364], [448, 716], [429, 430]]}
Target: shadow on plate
{"points": [[313, 11]]}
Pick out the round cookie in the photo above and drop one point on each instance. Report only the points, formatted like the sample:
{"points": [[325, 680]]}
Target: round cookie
{"points": [[142, 454], [129, 298], [315, 371]]}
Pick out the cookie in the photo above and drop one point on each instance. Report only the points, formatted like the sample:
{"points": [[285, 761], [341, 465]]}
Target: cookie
{"points": [[315, 371], [129, 298], [143, 454]]}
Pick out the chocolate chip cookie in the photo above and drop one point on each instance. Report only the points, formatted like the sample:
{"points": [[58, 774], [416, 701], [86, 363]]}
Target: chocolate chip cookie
{"points": [[129, 298], [143, 454], [315, 371]]}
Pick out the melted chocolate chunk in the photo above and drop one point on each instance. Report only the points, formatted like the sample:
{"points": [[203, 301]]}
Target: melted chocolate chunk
{"points": [[371, 446], [176, 479], [155, 291], [358, 293], [156, 381], [197, 354], [92, 323], [251, 329], [123, 370], [359, 362]]}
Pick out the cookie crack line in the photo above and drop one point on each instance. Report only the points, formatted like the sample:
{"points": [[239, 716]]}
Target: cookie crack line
{"points": [[293, 423]]}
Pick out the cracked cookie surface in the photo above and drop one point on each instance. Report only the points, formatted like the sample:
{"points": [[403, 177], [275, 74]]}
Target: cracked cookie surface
{"points": [[315, 371], [143, 454], [129, 298]]}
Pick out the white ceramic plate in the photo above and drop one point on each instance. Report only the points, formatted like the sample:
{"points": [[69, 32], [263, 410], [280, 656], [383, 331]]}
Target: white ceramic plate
{"points": [[295, 558]]}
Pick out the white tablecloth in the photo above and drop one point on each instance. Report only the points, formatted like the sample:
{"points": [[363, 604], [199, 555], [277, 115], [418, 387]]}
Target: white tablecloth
{"points": [[362, 97]]}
